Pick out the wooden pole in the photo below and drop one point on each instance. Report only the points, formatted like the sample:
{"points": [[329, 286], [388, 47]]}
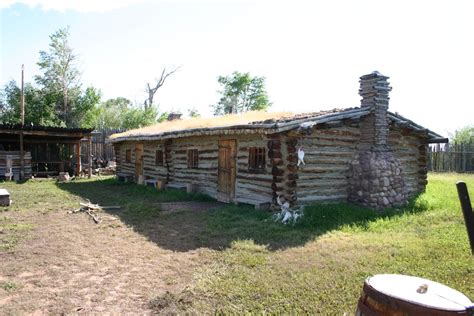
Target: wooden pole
{"points": [[22, 159], [22, 95], [90, 156], [78, 158], [467, 211]]}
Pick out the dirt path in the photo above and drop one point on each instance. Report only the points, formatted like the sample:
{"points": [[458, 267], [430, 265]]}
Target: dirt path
{"points": [[68, 264]]}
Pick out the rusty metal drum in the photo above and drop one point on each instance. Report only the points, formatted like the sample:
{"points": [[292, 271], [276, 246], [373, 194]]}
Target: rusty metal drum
{"points": [[402, 295]]}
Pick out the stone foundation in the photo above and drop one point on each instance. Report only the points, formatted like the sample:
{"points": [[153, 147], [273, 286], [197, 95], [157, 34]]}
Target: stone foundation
{"points": [[376, 180]]}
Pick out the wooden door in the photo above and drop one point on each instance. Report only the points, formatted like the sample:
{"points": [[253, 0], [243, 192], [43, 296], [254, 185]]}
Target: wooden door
{"points": [[226, 171], [138, 161]]}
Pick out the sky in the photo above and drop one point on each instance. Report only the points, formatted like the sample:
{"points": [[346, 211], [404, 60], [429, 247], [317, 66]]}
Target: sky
{"points": [[311, 53]]}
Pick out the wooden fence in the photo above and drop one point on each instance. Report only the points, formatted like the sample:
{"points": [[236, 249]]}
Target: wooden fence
{"points": [[100, 149], [451, 158]]}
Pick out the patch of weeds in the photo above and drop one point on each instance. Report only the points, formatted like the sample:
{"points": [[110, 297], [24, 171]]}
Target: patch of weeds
{"points": [[11, 233], [116, 224], [9, 286], [246, 253], [171, 303], [9, 242]]}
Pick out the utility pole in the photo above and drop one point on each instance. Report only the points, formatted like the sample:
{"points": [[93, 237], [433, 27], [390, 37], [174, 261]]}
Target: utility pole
{"points": [[22, 95], [22, 160]]}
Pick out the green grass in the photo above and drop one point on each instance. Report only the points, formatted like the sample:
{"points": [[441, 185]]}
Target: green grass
{"points": [[319, 265], [256, 265]]}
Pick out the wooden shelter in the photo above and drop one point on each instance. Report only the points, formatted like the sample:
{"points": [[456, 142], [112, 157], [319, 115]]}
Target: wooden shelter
{"points": [[366, 154], [40, 150]]}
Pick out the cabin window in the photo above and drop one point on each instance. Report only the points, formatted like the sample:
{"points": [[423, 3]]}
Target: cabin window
{"points": [[257, 159], [128, 155], [159, 158], [193, 158]]}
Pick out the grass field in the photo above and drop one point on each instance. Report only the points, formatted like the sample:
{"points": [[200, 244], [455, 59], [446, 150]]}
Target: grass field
{"points": [[231, 259]]}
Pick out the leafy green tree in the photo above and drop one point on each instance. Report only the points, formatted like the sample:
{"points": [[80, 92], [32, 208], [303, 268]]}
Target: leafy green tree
{"points": [[38, 109], [139, 117], [60, 79], [241, 93], [464, 135], [119, 113]]}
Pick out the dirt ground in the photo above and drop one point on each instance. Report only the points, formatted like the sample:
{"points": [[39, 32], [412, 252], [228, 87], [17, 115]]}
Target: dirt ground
{"points": [[68, 264]]}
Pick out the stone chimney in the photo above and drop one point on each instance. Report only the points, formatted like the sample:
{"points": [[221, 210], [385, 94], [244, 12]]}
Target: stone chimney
{"points": [[374, 89], [375, 176], [174, 116]]}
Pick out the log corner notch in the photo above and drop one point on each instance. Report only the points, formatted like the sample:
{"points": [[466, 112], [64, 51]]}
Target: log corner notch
{"points": [[168, 158], [292, 171], [276, 161]]}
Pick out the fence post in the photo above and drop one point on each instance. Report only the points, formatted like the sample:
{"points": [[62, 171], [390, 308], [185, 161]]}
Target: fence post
{"points": [[467, 211]]}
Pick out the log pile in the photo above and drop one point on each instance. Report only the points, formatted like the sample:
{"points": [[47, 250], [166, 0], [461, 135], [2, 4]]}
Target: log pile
{"points": [[10, 162]]}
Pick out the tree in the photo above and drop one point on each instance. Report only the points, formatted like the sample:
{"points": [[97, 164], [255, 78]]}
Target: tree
{"points": [[159, 83], [119, 113], [38, 109], [464, 135], [60, 78], [193, 113], [241, 93]]}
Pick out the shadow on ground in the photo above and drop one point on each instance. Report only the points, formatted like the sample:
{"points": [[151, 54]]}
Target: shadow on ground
{"points": [[216, 225]]}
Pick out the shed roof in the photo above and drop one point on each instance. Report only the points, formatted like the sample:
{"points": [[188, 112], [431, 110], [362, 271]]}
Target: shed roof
{"points": [[45, 131], [253, 122]]}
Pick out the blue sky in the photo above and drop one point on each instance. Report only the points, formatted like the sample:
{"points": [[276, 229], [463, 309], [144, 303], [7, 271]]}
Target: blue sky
{"points": [[311, 52]]}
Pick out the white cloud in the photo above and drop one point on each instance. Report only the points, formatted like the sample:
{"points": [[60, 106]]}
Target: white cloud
{"points": [[83, 6]]}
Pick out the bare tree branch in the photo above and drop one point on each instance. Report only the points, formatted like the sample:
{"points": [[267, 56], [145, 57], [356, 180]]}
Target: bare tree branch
{"points": [[159, 83]]}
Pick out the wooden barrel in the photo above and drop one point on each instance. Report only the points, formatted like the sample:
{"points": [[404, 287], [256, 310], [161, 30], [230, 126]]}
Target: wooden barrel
{"points": [[402, 295]]}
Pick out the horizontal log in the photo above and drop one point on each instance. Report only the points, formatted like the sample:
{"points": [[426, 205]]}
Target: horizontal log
{"points": [[247, 171], [274, 154], [247, 200], [293, 176], [323, 198], [277, 171], [276, 187], [343, 183], [256, 178], [263, 184], [324, 168], [322, 176], [277, 162]]}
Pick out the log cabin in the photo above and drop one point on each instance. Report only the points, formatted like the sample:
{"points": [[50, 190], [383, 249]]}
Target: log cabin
{"points": [[366, 155]]}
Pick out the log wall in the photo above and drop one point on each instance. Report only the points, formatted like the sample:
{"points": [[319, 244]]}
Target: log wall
{"points": [[125, 168], [250, 187], [328, 153], [205, 176], [150, 169], [410, 149]]}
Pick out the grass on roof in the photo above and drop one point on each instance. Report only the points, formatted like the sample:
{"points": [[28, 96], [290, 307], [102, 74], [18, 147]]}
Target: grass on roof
{"points": [[199, 122]]}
